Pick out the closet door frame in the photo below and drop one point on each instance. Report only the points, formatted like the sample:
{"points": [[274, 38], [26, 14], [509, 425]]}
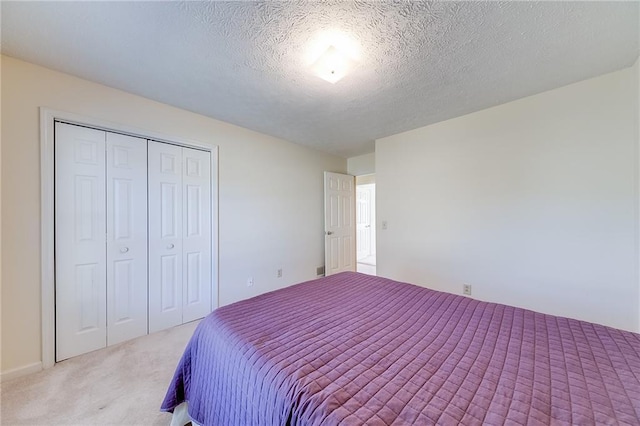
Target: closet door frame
{"points": [[48, 117]]}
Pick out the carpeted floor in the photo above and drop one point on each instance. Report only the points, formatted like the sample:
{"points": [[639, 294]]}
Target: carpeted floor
{"points": [[123, 384], [369, 260]]}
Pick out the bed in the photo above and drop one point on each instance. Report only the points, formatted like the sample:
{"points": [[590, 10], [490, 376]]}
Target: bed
{"points": [[354, 349]]}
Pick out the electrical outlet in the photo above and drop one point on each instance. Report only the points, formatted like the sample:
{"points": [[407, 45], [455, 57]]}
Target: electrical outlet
{"points": [[466, 289], [279, 273], [249, 281]]}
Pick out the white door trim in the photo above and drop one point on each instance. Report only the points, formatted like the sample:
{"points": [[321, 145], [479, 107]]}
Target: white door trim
{"points": [[47, 118]]}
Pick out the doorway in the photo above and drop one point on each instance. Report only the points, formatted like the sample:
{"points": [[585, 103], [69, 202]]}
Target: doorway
{"points": [[366, 224]]}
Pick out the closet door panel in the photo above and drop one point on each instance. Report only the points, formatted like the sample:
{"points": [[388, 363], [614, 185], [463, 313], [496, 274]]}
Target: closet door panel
{"points": [[165, 235], [80, 249], [197, 234], [126, 238]]}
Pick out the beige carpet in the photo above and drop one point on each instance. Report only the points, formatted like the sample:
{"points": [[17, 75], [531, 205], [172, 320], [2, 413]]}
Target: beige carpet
{"points": [[119, 385]]}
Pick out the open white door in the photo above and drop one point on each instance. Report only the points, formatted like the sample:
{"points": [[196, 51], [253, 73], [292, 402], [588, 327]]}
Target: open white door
{"points": [[339, 223]]}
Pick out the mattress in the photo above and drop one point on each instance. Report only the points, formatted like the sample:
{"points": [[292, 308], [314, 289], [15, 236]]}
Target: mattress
{"points": [[354, 349]]}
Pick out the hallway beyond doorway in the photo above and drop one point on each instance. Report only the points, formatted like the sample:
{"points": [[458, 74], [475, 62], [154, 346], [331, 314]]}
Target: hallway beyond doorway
{"points": [[366, 224], [366, 269]]}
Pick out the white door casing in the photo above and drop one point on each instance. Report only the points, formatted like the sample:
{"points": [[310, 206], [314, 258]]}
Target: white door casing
{"points": [[80, 226], [339, 223], [196, 243], [126, 237], [165, 236]]}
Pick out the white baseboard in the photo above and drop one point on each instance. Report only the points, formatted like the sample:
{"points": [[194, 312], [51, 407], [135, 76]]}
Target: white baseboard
{"points": [[20, 371]]}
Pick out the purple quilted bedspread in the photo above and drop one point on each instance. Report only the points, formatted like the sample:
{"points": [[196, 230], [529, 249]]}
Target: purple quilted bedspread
{"points": [[354, 349]]}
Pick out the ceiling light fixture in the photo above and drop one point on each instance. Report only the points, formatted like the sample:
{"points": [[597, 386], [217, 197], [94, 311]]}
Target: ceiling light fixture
{"points": [[332, 65]]}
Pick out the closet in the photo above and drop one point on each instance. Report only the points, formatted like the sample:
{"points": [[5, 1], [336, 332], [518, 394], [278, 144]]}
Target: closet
{"points": [[132, 237]]}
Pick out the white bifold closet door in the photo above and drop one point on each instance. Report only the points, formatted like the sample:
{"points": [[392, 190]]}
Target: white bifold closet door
{"points": [[179, 235], [127, 293], [101, 239], [80, 248]]}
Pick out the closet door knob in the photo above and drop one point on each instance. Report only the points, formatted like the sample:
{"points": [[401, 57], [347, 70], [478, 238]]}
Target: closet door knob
{"points": [[170, 246], [124, 249]]}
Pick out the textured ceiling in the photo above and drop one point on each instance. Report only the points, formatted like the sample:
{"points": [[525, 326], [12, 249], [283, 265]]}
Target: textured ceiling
{"points": [[248, 63]]}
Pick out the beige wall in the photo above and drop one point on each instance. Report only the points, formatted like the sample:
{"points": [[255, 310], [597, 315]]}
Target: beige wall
{"points": [[362, 164], [270, 205], [534, 203], [637, 136], [1, 61]]}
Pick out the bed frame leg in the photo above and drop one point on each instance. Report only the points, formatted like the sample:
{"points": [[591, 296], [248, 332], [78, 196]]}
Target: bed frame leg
{"points": [[180, 415]]}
